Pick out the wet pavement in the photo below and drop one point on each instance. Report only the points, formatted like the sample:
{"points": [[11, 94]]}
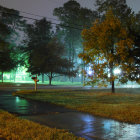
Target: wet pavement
{"points": [[81, 124], [21, 106]]}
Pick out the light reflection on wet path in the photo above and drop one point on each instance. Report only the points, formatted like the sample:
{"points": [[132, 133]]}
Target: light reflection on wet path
{"points": [[81, 124]]}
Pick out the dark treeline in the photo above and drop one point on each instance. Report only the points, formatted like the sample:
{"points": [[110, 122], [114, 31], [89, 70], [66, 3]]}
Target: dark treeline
{"points": [[52, 52]]}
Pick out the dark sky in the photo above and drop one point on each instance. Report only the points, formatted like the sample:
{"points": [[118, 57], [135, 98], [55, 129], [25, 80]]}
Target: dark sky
{"points": [[45, 7]]}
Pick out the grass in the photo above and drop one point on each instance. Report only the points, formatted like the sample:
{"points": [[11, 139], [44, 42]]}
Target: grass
{"points": [[119, 106], [13, 128]]}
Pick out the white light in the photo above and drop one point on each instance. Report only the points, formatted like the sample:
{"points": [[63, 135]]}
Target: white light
{"points": [[117, 71], [89, 72], [17, 100]]}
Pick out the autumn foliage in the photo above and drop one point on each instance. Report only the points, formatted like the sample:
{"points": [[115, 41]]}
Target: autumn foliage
{"points": [[106, 47]]}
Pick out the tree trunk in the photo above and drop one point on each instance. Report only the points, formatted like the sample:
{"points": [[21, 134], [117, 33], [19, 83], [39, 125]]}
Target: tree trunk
{"points": [[83, 69], [112, 80], [113, 87], [50, 79], [69, 51], [73, 54], [14, 76], [112, 73], [43, 78], [10, 77], [2, 77]]}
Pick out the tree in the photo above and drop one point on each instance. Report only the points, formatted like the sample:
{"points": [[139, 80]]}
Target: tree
{"points": [[68, 14], [38, 34], [45, 55], [49, 59], [6, 62], [13, 20], [131, 21], [119, 8], [134, 32], [73, 18], [16, 25], [107, 46]]}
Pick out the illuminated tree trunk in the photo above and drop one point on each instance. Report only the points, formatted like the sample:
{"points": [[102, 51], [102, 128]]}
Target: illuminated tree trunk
{"points": [[43, 78], [10, 77], [72, 60], [70, 56], [14, 76], [73, 51], [83, 69], [112, 79], [2, 77], [112, 72]]}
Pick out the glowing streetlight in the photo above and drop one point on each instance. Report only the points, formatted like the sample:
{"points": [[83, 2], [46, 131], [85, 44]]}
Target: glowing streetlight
{"points": [[117, 71]]}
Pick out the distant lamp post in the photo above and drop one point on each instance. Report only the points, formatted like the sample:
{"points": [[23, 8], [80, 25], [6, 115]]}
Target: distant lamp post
{"points": [[35, 80]]}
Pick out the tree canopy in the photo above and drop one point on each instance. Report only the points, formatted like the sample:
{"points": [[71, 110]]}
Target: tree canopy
{"points": [[106, 47], [119, 8], [46, 54], [73, 18], [51, 61], [6, 61]]}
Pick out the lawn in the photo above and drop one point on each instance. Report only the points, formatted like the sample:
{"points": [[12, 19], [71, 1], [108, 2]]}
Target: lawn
{"points": [[13, 128], [120, 106]]}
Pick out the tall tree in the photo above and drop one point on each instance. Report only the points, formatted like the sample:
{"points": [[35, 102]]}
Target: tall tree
{"points": [[134, 32], [45, 54], [106, 47], [16, 24], [73, 18], [12, 19], [119, 7], [68, 14], [131, 21], [38, 34], [49, 59], [6, 62]]}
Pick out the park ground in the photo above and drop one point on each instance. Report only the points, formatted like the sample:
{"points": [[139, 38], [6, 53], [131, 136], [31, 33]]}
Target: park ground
{"points": [[123, 106]]}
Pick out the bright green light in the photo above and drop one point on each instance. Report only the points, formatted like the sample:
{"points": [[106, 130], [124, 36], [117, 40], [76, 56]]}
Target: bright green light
{"points": [[17, 100], [20, 75]]}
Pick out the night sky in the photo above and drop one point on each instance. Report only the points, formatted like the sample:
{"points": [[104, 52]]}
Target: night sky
{"points": [[45, 7]]}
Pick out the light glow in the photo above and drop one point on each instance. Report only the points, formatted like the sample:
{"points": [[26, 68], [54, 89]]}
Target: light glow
{"points": [[117, 71], [89, 71]]}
